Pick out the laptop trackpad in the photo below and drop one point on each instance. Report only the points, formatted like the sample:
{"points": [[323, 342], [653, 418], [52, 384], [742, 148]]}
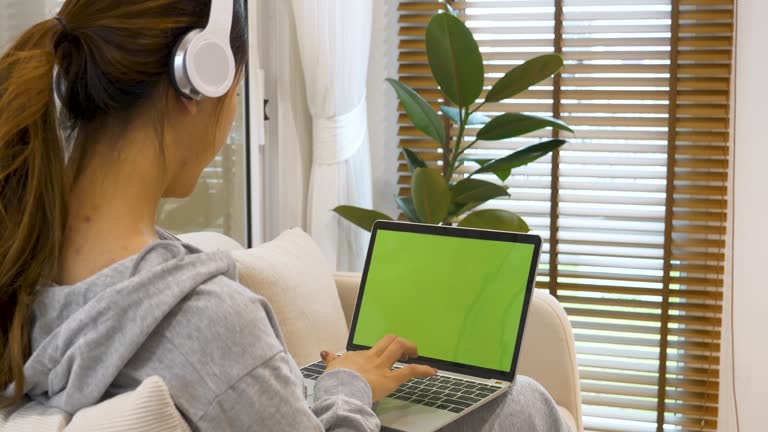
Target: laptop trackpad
{"points": [[409, 417]]}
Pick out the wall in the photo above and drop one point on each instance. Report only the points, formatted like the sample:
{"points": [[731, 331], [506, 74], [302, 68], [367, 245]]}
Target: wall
{"points": [[18, 15], [749, 234]]}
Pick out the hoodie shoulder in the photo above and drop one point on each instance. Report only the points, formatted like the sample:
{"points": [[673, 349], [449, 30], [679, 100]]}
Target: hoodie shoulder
{"points": [[169, 311], [224, 315], [218, 334]]}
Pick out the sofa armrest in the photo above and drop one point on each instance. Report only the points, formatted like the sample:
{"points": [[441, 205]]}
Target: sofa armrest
{"points": [[348, 285], [548, 354]]}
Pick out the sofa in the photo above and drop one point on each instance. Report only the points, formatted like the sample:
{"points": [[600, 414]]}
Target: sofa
{"points": [[547, 355]]}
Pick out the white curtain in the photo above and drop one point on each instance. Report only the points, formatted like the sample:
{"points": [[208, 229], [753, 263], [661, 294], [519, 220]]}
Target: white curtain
{"points": [[288, 150], [334, 41]]}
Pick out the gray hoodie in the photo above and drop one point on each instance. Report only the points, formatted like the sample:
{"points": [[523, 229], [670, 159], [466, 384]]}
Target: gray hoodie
{"points": [[175, 312]]}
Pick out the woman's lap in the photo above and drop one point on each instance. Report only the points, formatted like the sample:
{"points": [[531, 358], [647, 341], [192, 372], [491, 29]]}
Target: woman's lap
{"points": [[526, 407]]}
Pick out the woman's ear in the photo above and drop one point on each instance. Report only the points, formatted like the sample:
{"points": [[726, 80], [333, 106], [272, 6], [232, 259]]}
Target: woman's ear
{"points": [[190, 105]]}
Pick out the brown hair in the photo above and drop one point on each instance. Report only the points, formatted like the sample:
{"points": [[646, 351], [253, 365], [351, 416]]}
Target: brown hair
{"points": [[110, 55]]}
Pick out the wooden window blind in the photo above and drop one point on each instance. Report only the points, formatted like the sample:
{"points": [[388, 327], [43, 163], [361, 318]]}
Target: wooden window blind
{"points": [[633, 209]]}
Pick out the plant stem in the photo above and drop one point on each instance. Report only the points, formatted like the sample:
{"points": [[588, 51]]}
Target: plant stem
{"points": [[477, 108], [446, 147], [461, 151], [467, 147], [459, 138]]}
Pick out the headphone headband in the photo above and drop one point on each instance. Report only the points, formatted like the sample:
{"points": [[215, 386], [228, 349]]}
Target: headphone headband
{"points": [[202, 64], [220, 20]]}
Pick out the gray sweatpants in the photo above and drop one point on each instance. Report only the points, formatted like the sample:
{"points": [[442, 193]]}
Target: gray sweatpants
{"points": [[527, 407]]}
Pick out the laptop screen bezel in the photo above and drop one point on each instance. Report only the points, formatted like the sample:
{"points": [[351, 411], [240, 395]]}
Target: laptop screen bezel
{"points": [[467, 233]]}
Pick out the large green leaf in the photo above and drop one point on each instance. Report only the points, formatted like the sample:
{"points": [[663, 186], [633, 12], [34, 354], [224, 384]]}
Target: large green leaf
{"points": [[431, 196], [361, 217], [512, 125], [472, 190], [500, 220], [474, 118], [414, 161], [520, 157], [458, 209], [421, 114], [455, 59], [480, 162], [524, 76], [406, 205], [503, 175]]}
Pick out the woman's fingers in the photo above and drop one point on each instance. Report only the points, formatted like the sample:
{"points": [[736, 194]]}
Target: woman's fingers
{"points": [[409, 372], [375, 364], [328, 357], [385, 347], [398, 349], [382, 345]]}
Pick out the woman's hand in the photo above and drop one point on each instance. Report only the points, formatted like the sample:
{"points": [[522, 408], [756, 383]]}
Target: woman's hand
{"points": [[375, 365]]}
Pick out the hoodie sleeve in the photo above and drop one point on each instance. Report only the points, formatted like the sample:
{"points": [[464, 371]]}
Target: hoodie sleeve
{"points": [[268, 398], [235, 346]]}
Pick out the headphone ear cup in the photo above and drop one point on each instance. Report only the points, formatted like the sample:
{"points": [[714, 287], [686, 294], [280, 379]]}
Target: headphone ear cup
{"points": [[172, 73], [202, 63], [210, 65], [178, 67]]}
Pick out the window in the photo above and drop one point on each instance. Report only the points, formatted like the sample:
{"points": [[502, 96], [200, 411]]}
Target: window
{"points": [[634, 208], [219, 202]]}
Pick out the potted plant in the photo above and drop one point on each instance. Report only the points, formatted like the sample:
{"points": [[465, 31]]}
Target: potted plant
{"points": [[457, 66]]}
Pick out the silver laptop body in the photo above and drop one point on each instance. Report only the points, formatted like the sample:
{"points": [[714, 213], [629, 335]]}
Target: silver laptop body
{"points": [[426, 405]]}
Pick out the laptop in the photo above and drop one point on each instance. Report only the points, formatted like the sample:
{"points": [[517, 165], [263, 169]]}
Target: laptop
{"points": [[461, 295]]}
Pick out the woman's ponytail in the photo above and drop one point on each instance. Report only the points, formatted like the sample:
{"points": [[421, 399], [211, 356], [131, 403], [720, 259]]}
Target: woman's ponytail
{"points": [[33, 188], [110, 56]]}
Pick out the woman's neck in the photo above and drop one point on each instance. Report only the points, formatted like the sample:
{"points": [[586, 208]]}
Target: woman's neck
{"points": [[112, 208]]}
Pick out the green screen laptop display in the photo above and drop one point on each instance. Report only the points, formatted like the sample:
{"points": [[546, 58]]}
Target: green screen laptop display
{"points": [[458, 299]]}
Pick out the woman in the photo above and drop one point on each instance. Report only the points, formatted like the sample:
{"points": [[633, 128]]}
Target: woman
{"points": [[95, 300]]}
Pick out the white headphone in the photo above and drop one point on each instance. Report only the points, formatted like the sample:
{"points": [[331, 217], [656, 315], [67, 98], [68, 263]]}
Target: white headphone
{"points": [[202, 63]]}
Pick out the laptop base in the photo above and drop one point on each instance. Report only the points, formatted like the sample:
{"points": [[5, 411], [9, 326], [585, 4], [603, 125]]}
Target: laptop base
{"points": [[404, 416]]}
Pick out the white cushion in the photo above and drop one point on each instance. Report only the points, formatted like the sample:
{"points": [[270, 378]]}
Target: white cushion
{"points": [[32, 417], [148, 408], [294, 276]]}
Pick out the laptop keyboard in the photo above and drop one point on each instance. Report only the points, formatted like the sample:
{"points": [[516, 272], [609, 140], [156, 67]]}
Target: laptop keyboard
{"points": [[441, 392]]}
